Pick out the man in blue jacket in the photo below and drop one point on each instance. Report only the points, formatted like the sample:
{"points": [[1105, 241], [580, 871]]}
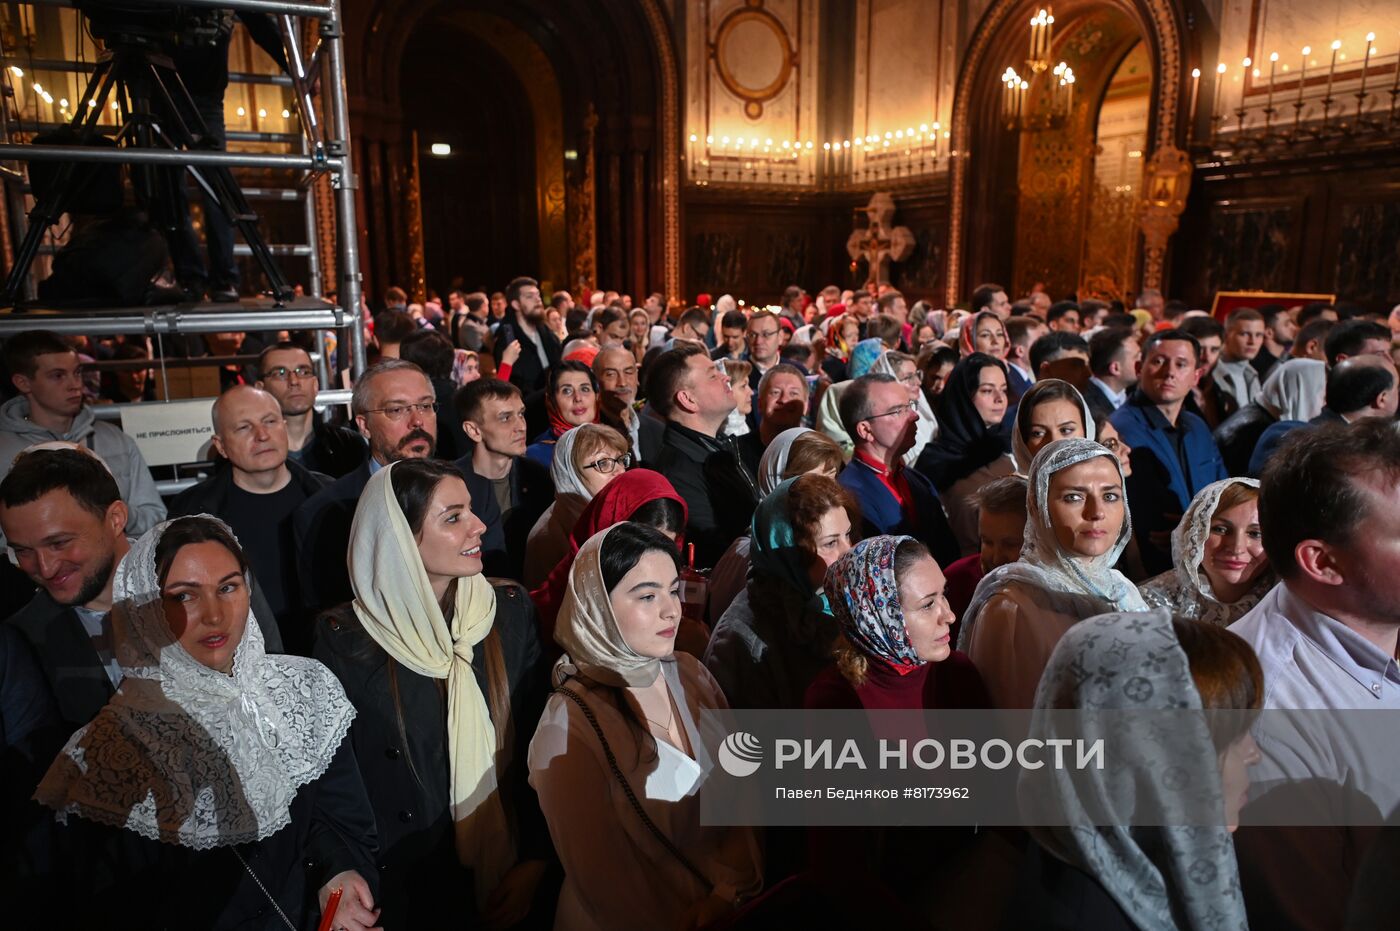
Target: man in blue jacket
{"points": [[878, 417], [1173, 455]]}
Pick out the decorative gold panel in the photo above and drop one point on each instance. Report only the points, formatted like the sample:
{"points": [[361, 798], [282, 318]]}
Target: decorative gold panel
{"points": [[742, 26]]}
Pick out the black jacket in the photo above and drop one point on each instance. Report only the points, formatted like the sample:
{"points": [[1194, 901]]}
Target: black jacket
{"points": [[321, 529], [333, 449], [1240, 433], [109, 877], [211, 495], [718, 490], [403, 757], [527, 374], [72, 668], [531, 492]]}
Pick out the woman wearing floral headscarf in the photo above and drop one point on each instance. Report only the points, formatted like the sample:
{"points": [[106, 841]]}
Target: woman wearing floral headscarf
{"points": [[620, 753], [887, 595], [1077, 526], [1220, 569], [197, 796], [1143, 844]]}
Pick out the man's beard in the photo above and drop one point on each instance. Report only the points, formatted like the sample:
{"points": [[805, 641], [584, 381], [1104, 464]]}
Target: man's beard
{"points": [[94, 584], [398, 452]]}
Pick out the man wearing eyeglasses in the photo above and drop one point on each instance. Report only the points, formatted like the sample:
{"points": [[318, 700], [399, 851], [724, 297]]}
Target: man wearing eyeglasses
{"points": [[255, 489], [313, 441], [880, 419], [396, 410]]}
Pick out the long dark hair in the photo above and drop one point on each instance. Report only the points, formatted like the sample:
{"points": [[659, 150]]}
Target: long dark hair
{"points": [[185, 531]]}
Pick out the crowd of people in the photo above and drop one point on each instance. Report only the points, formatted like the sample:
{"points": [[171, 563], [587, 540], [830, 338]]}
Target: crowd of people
{"points": [[446, 661]]}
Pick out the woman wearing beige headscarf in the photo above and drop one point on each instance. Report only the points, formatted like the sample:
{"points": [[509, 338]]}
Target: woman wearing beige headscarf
{"points": [[444, 672], [619, 756], [586, 459]]}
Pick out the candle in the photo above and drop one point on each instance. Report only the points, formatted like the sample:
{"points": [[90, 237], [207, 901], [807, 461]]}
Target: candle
{"points": [[1332, 69], [1219, 83], [1361, 93], [1273, 65], [1195, 88], [1303, 73], [1244, 83]]}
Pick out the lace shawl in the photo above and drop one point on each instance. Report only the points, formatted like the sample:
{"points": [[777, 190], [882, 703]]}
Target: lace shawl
{"points": [[1185, 589], [184, 754]]}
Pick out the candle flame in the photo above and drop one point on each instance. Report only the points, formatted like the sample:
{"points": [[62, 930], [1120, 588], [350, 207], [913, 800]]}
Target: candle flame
{"points": [[1336, 44], [1220, 68], [1273, 57]]}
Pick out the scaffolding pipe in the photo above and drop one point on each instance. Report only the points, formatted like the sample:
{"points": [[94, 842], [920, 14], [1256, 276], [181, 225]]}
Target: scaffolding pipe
{"points": [[315, 10], [180, 158], [169, 322], [345, 185]]}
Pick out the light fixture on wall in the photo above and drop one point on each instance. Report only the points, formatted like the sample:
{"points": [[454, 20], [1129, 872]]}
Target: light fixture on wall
{"points": [[440, 149], [1055, 103], [1042, 40]]}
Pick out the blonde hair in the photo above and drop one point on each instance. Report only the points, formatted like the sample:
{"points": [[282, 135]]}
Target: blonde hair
{"points": [[594, 438], [1238, 493]]}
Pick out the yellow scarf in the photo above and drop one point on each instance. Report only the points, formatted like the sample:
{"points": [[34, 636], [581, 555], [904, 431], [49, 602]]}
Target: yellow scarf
{"points": [[395, 603]]}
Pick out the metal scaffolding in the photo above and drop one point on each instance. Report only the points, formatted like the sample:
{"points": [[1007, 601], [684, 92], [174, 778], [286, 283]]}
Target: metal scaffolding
{"points": [[325, 149]]}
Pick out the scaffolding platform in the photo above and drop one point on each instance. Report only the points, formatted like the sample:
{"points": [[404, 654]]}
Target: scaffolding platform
{"points": [[249, 313]]}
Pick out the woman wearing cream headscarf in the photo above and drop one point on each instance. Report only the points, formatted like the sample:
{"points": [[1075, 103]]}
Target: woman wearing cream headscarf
{"points": [[445, 672], [620, 752], [1076, 528]]}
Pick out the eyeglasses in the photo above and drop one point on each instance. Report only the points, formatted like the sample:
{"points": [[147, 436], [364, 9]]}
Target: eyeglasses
{"points": [[1111, 444], [400, 411], [607, 464], [281, 372], [896, 411], [763, 334]]}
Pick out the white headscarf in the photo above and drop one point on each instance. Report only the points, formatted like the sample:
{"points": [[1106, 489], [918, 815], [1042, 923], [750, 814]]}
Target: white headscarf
{"points": [[774, 461], [1295, 389], [1020, 452], [184, 754], [1185, 588], [926, 427], [1044, 564], [567, 481], [394, 601], [587, 629]]}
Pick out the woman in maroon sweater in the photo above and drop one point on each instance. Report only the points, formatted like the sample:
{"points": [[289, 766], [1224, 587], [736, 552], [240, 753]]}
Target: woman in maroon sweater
{"points": [[887, 595]]}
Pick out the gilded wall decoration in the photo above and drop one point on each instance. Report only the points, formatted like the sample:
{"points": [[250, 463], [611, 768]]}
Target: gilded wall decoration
{"points": [[413, 195], [1166, 182], [582, 208], [1368, 252], [752, 55], [670, 162], [1110, 246], [978, 87]]}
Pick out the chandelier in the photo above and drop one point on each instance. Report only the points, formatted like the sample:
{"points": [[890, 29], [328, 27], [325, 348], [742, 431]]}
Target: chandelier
{"points": [[1057, 100]]}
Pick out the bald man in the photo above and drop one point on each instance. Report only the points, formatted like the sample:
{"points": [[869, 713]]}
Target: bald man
{"points": [[255, 488]]}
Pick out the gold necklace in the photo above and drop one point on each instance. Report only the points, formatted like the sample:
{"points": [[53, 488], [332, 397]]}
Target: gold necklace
{"points": [[671, 715]]}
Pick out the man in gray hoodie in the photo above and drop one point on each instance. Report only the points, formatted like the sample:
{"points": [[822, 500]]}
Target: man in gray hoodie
{"points": [[47, 374]]}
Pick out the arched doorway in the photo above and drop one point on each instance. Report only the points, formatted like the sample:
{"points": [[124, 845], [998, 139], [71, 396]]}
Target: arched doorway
{"points": [[613, 69], [478, 196], [984, 215]]}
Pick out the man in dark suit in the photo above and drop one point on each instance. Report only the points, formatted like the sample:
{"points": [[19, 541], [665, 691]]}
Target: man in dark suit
{"points": [[509, 492], [1114, 355], [1174, 455], [256, 489], [877, 415], [689, 389], [395, 408], [64, 519]]}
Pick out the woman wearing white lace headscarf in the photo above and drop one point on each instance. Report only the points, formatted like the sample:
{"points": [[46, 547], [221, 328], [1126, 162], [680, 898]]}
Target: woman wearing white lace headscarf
{"points": [[1076, 528], [1143, 843], [1220, 569], [586, 458], [198, 794], [619, 757], [1295, 389]]}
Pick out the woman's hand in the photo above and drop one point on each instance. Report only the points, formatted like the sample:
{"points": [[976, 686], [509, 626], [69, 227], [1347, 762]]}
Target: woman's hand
{"points": [[509, 902], [510, 353], [356, 911]]}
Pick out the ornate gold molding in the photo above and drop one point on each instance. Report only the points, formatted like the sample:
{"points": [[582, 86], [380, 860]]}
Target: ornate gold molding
{"points": [[753, 97], [413, 194], [582, 210], [1166, 182], [1160, 34]]}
